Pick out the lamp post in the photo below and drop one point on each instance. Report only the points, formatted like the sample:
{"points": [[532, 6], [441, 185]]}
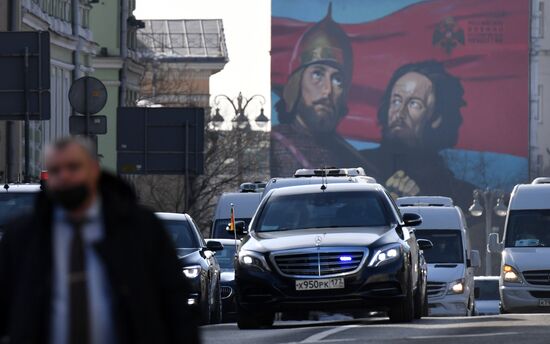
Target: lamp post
{"points": [[241, 120], [483, 203]]}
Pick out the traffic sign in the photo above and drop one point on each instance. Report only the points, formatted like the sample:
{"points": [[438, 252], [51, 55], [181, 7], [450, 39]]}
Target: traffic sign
{"points": [[97, 125], [87, 95]]}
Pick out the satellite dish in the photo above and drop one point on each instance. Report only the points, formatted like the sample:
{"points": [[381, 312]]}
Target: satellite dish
{"points": [[88, 95]]}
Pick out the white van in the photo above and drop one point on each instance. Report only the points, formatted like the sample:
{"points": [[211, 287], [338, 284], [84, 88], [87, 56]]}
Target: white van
{"points": [[525, 270], [245, 205], [451, 261]]}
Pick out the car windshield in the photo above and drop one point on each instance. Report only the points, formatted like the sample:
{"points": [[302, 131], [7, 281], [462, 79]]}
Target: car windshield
{"points": [[13, 204], [220, 228], [488, 290], [322, 210], [225, 257], [447, 246], [528, 228], [182, 234]]}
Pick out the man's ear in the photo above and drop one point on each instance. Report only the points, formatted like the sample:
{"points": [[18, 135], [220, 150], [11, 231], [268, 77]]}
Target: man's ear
{"points": [[436, 123]]}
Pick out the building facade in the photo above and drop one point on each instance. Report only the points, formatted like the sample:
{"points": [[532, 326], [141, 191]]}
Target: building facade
{"points": [[115, 29], [540, 89], [71, 52]]}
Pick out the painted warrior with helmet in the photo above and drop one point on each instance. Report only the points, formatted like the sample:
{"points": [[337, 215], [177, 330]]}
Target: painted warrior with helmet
{"points": [[313, 103]]}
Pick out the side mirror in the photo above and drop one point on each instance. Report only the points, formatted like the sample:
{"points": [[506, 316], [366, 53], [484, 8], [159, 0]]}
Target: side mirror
{"points": [[412, 219], [424, 244], [477, 292], [214, 246], [475, 259], [494, 245], [240, 227]]}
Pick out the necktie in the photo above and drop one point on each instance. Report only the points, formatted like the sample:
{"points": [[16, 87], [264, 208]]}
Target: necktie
{"points": [[79, 331]]}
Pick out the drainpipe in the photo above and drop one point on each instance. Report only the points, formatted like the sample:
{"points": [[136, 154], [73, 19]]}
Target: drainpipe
{"points": [[124, 14], [11, 138], [76, 24]]}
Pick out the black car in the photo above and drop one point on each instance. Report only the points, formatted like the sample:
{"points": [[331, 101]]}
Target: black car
{"points": [[226, 259], [199, 264], [330, 247]]}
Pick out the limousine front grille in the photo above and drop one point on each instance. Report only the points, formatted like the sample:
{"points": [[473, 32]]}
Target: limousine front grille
{"points": [[319, 262], [537, 277], [436, 289]]}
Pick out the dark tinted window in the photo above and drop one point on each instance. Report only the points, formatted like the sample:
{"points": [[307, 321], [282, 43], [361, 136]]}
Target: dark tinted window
{"points": [[13, 204], [324, 209], [488, 290], [447, 246], [220, 228], [528, 228], [182, 234], [225, 257]]}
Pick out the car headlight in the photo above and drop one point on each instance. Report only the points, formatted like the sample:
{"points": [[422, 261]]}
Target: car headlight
{"points": [[253, 259], [510, 274], [386, 254], [192, 271], [456, 287]]}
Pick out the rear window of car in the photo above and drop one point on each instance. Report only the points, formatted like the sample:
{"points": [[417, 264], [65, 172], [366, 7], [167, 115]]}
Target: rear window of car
{"points": [[324, 210], [13, 204]]}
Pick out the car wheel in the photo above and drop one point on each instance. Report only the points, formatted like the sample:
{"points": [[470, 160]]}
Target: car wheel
{"points": [[205, 311], [420, 305], [470, 311], [216, 316], [248, 321], [404, 312]]}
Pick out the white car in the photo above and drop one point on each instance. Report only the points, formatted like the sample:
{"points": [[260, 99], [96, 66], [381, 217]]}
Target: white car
{"points": [[525, 268], [451, 261], [487, 296]]}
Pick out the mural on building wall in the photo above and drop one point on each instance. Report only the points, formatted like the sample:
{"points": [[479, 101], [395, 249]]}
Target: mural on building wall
{"points": [[430, 96]]}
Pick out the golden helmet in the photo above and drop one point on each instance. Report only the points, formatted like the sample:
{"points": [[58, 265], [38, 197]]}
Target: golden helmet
{"points": [[326, 43]]}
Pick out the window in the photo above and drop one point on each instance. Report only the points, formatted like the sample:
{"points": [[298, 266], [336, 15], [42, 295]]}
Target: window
{"points": [[13, 204], [324, 210], [181, 233], [225, 257], [447, 246], [528, 228]]}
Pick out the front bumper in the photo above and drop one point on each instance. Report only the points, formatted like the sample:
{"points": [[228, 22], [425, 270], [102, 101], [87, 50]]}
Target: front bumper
{"points": [[371, 288], [448, 305], [523, 299]]}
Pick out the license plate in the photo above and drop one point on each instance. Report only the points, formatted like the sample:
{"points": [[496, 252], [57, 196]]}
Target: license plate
{"points": [[544, 303], [317, 284]]}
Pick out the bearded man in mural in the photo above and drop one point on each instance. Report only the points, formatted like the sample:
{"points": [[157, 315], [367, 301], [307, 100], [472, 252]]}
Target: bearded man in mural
{"points": [[313, 103], [420, 116]]}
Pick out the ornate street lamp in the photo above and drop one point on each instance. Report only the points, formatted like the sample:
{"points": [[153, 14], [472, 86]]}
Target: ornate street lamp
{"points": [[239, 104], [479, 208]]}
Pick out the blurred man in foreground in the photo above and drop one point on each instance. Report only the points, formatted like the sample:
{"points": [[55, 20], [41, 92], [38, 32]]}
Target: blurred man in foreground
{"points": [[90, 265]]}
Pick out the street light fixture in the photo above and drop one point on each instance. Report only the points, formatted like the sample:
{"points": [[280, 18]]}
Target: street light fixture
{"points": [[478, 208], [241, 119], [217, 119], [500, 209]]}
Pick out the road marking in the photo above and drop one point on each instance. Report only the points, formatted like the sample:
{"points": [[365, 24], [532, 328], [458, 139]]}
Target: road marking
{"points": [[318, 337], [465, 335]]}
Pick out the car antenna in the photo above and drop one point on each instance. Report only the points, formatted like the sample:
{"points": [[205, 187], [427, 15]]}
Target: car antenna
{"points": [[6, 185], [324, 179]]}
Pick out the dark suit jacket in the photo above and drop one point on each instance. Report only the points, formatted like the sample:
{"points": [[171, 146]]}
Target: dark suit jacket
{"points": [[149, 289]]}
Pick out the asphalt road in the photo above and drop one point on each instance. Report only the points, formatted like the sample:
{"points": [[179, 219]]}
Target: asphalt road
{"points": [[501, 329]]}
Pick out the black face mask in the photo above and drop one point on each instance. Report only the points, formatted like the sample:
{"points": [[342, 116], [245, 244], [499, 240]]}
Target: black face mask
{"points": [[70, 198]]}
